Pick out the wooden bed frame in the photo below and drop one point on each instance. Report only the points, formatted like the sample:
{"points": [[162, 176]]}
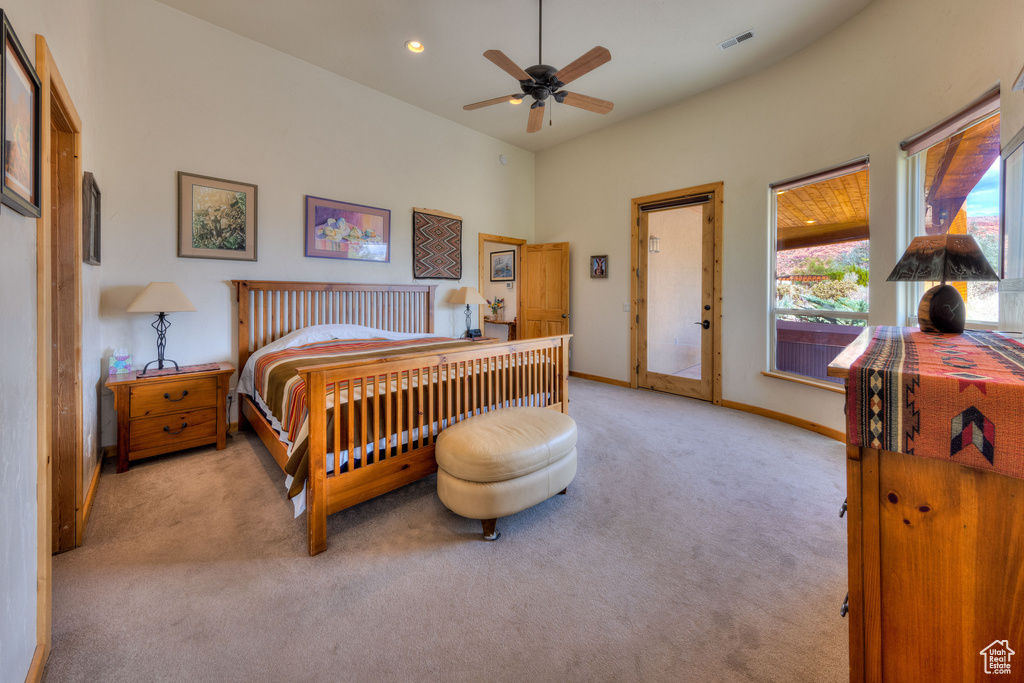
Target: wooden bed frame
{"points": [[460, 383]]}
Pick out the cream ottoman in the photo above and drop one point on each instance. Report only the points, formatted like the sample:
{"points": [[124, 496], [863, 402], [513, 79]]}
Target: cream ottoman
{"points": [[504, 461]]}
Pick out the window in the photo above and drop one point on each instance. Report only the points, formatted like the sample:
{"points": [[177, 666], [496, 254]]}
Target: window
{"points": [[954, 187], [820, 274]]}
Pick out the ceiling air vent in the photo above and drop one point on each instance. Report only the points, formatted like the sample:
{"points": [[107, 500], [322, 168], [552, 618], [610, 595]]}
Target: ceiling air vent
{"points": [[736, 40]]}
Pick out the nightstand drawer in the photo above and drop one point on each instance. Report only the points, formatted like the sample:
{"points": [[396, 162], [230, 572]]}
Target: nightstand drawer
{"points": [[166, 431], [164, 397]]}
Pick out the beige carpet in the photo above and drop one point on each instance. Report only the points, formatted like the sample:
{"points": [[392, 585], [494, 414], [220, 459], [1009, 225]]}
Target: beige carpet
{"points": [[696, 544]]}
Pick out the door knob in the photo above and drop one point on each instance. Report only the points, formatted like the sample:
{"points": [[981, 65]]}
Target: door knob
{"points": [[565, 315], [706, 324]]}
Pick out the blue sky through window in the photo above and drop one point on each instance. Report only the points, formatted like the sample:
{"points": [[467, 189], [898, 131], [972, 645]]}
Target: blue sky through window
{"points": [[984, 198]]}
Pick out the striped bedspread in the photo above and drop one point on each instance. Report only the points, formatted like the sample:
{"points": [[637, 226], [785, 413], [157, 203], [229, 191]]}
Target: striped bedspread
{"points": [[283, 392]]}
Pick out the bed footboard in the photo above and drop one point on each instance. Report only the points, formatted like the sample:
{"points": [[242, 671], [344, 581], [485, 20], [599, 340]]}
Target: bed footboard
{"points": [[405, 401]]}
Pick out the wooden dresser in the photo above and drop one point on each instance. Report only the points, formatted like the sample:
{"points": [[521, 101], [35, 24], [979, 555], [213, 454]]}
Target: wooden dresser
{"points": [[936, 554], [167, 413]]}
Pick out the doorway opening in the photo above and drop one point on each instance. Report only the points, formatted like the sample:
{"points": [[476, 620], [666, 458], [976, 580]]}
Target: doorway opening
{"points": [[676, 254], [500, 278]]}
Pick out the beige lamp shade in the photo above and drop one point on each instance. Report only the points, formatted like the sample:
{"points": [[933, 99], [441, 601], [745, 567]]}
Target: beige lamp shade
{"points": [[467, 295], [160, 297]]}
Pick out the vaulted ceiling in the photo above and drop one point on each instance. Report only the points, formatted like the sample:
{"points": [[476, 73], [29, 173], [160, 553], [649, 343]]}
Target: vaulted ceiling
{"points": [[662, 50]]}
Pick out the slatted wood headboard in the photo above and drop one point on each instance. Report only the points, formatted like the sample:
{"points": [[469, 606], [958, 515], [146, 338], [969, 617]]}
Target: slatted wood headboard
{"points": [[269, 310]]}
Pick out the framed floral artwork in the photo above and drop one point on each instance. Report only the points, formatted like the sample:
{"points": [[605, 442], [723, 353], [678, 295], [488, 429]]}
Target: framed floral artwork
{"points": [[22, 182], [347, 231]]}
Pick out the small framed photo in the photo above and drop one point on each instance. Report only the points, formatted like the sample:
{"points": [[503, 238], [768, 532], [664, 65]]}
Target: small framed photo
{"points": [[90, 220], [503, 266], [22, 182], [216, 218], [599, 266], [347, 231]]}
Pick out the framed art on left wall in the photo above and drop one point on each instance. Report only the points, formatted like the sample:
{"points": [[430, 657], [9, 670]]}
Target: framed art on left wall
{"points": [[22, 182]]}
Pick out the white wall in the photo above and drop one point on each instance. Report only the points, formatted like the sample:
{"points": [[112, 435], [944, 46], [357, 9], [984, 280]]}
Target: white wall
{"points": [[500, 290], [891, 71], [71, 28], [185, 95]]}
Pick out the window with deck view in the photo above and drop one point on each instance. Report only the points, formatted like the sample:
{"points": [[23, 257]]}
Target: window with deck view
{"points": [[953, 188], [820, 278]]}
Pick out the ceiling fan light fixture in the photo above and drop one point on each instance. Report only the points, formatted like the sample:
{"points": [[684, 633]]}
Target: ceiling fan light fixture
{"points": [[516, 100], [414, 46]]}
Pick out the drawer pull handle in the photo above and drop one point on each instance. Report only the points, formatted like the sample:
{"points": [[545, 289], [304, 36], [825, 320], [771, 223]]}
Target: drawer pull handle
{"points": [[183, 425], [184, 393]]}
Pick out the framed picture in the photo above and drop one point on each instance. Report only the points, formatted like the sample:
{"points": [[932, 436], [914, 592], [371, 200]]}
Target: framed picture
{"points": [[22, 181], [1012, 215], [503, 266], [90, 220], [349, 231], [436, 245], [216, 218], [599, 266]]}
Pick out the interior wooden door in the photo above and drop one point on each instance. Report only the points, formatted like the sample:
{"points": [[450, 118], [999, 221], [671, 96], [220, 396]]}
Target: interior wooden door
{"points": [[545, 290], [675, 314]]}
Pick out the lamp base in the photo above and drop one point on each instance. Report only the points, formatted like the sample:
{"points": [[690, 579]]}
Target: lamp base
{"points": [[942, 309]]}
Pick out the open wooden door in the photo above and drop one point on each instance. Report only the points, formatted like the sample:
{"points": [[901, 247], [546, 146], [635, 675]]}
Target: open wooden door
{"points": [[545, 290]]}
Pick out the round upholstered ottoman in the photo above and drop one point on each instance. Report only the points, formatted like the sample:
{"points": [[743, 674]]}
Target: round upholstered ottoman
{"points": [[504, 461]]}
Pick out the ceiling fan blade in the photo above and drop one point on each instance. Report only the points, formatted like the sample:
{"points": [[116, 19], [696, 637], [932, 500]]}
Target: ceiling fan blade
{"points": [[589, 103], [536, 119], [487, 103], [507, 65], [585, 64]]}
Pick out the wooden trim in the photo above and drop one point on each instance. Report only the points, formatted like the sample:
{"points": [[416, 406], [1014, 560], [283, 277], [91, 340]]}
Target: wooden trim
{"points": [[819, 384], [35, 669], [597, 378], [717, 191], [788, 419], [482, 268], [91, 496], [53, 87]]}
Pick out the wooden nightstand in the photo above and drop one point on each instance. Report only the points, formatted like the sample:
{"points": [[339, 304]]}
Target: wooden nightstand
{"points": [[167, 413]]}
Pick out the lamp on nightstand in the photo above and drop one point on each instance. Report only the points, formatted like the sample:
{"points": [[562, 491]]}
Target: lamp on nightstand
{"points": [[468, 296], [160, 298], [938, 258]]}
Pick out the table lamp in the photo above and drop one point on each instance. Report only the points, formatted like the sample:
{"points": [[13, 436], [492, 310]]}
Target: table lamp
{"points": [[938, 258], [160, 298], [468, 296]]}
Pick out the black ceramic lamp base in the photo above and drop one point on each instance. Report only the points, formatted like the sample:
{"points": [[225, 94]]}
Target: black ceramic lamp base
{"points": [[942, 309]]}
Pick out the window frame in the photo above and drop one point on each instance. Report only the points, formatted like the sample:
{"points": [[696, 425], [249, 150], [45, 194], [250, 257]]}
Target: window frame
{"points": [[915, 150], [774, 189]]}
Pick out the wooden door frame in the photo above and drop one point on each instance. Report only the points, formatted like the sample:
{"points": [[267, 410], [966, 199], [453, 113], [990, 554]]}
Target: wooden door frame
{"points": [[484, 265], [717, 192], [52, 88]]}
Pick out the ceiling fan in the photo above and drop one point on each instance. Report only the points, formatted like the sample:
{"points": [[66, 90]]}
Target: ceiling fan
{"points": [[543, 82]]}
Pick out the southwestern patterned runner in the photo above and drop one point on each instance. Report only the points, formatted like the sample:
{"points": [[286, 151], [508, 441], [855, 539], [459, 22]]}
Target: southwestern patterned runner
{"points": [[957, 397]]}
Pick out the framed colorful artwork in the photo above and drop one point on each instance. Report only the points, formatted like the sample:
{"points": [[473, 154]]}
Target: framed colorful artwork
{"points": [[599, 266], [503, 266], [349, 231], [436, 245], [90, 220], [22, 182], [216, 218]]}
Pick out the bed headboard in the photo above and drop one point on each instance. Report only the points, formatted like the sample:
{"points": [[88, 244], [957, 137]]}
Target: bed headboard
{"points": [[269, 310]]}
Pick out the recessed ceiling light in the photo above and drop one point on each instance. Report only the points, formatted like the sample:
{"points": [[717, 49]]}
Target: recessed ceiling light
{"points": [[809, 222], [414, 46], [516, 100], [781, 192]]}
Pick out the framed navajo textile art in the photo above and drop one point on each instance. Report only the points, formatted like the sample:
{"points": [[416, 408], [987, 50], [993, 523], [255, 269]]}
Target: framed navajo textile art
{"points": [[436, 245], [347, 231]]}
